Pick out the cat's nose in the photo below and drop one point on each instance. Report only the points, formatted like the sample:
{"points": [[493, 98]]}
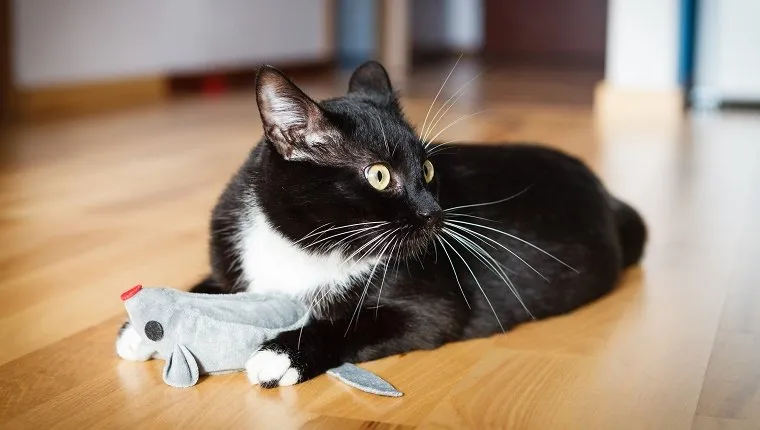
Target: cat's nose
{"points": [[430, 217]]}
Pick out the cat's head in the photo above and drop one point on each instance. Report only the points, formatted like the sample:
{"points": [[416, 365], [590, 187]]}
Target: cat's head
{"points": [[347, 173]]}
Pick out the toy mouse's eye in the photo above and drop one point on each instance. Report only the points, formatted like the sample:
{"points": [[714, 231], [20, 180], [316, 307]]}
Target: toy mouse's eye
{"points": [[378, 175], [154, 331]]}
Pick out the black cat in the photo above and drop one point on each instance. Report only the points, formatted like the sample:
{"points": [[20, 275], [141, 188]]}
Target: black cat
{"points": [[397, 244]]}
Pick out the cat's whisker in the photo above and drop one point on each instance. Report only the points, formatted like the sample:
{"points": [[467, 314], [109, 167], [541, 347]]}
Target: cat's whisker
{"points": [[403, 239], [455, 214], [382, 130], [417, 254], [320, 295], [354, 236], [357, 311], [448, 142], [386, 237], [490, 203], [479, 253], [485, 238], [336, 232], [358, 230], [379, 237], [435, 250], [476, 282], [442, 152], [440, 147], [424, 124], [311, 233], [432, 153], [342, 244], [519, 240], [458, 94], [317, 232], [385, 272], [314, 301], [456, 121], [490, 262], [454, 270], [336, 227]]}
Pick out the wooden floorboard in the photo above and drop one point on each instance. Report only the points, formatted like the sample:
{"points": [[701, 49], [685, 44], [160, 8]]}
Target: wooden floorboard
{"points": [[91, 206]]}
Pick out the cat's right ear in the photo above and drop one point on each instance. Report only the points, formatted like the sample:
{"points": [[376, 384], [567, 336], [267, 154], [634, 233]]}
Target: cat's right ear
{"points": [[292, 121], [372, 79]]}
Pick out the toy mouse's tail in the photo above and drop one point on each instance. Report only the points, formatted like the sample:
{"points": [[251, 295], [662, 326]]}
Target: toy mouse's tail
{"points": [[208, 286]]}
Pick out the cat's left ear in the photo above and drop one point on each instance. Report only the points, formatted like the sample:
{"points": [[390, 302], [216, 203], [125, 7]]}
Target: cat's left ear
{"points": [[372, 79], [293, 122]]}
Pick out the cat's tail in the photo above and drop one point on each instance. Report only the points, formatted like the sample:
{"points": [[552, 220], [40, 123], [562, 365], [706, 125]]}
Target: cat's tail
{"points": [[207, 286], [631, 230]]}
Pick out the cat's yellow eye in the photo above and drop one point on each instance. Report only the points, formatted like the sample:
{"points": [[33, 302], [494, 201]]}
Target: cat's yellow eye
{"points": [[428, 171], [378, 175]]}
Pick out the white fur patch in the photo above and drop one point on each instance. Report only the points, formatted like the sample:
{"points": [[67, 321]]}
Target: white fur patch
{"points": [[273, 264], [268, 365], [289, 378], [130, 346]]}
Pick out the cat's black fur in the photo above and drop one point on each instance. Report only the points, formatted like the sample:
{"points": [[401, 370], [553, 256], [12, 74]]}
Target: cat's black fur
{"points": [[310, 172]]}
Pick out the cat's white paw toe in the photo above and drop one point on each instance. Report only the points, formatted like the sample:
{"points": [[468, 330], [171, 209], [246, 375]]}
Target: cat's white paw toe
{"points": [[290, 377], [130, 346], [271, 369]]}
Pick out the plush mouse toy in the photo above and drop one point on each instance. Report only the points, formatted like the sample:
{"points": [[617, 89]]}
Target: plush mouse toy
{"points": [[199, 334]]}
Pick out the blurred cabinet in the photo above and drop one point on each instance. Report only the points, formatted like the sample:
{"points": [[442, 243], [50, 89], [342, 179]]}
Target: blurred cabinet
{"points": [[728, 53], [573, 30]]}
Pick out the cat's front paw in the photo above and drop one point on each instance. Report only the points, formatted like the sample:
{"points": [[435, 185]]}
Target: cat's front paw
{"points": [[285, 360], [130, 346], [273, 366]]}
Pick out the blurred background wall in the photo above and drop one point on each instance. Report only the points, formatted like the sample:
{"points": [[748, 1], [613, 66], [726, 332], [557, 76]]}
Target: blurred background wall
{"points": [[447, 26], [78, 40], [80, 54], [727, 64]]}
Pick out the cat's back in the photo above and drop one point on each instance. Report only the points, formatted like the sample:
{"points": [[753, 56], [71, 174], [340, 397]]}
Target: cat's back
{"points": [[544, 190], [498, 162]]}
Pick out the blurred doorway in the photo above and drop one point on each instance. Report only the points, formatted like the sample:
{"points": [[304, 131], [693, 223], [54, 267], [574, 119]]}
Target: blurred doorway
{"points": [[566, 32], [6, 68]]}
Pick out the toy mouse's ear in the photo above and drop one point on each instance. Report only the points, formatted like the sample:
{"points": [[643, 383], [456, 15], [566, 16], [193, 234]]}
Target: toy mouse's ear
{"points": [[181, 369]]}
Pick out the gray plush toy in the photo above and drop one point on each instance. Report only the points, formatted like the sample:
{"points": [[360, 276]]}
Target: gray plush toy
{"points": [[199, 334]]}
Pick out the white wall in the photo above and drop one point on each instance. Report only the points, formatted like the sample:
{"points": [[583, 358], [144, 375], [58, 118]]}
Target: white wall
{"points": [[65, 41], [466, 24], [449, 24], [234, 32], [643, 44], [83, 40], [728, 52]]}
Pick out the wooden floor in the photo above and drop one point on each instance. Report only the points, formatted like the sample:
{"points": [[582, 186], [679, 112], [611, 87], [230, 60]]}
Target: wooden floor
{"points": [[90, 207]]}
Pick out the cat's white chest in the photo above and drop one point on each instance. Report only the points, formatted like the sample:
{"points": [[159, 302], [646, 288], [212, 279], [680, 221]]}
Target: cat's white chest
{"points": [[272, 263]]}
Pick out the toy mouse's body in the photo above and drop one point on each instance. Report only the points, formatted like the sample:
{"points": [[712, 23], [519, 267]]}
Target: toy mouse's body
{"points": [[203, 333], [199, 334]]}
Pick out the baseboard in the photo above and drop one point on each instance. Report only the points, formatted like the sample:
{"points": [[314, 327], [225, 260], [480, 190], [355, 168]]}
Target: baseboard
{"points": [[242, 77], [551, 61], [646, 116], [84, 98], [617, 104]]}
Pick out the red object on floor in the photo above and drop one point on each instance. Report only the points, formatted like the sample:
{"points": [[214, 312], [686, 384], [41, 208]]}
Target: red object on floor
{"points": [[131, 292], [214, 84]]}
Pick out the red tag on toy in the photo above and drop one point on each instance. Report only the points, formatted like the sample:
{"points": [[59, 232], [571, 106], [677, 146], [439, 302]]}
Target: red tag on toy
{"points": [[131, 292]]}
